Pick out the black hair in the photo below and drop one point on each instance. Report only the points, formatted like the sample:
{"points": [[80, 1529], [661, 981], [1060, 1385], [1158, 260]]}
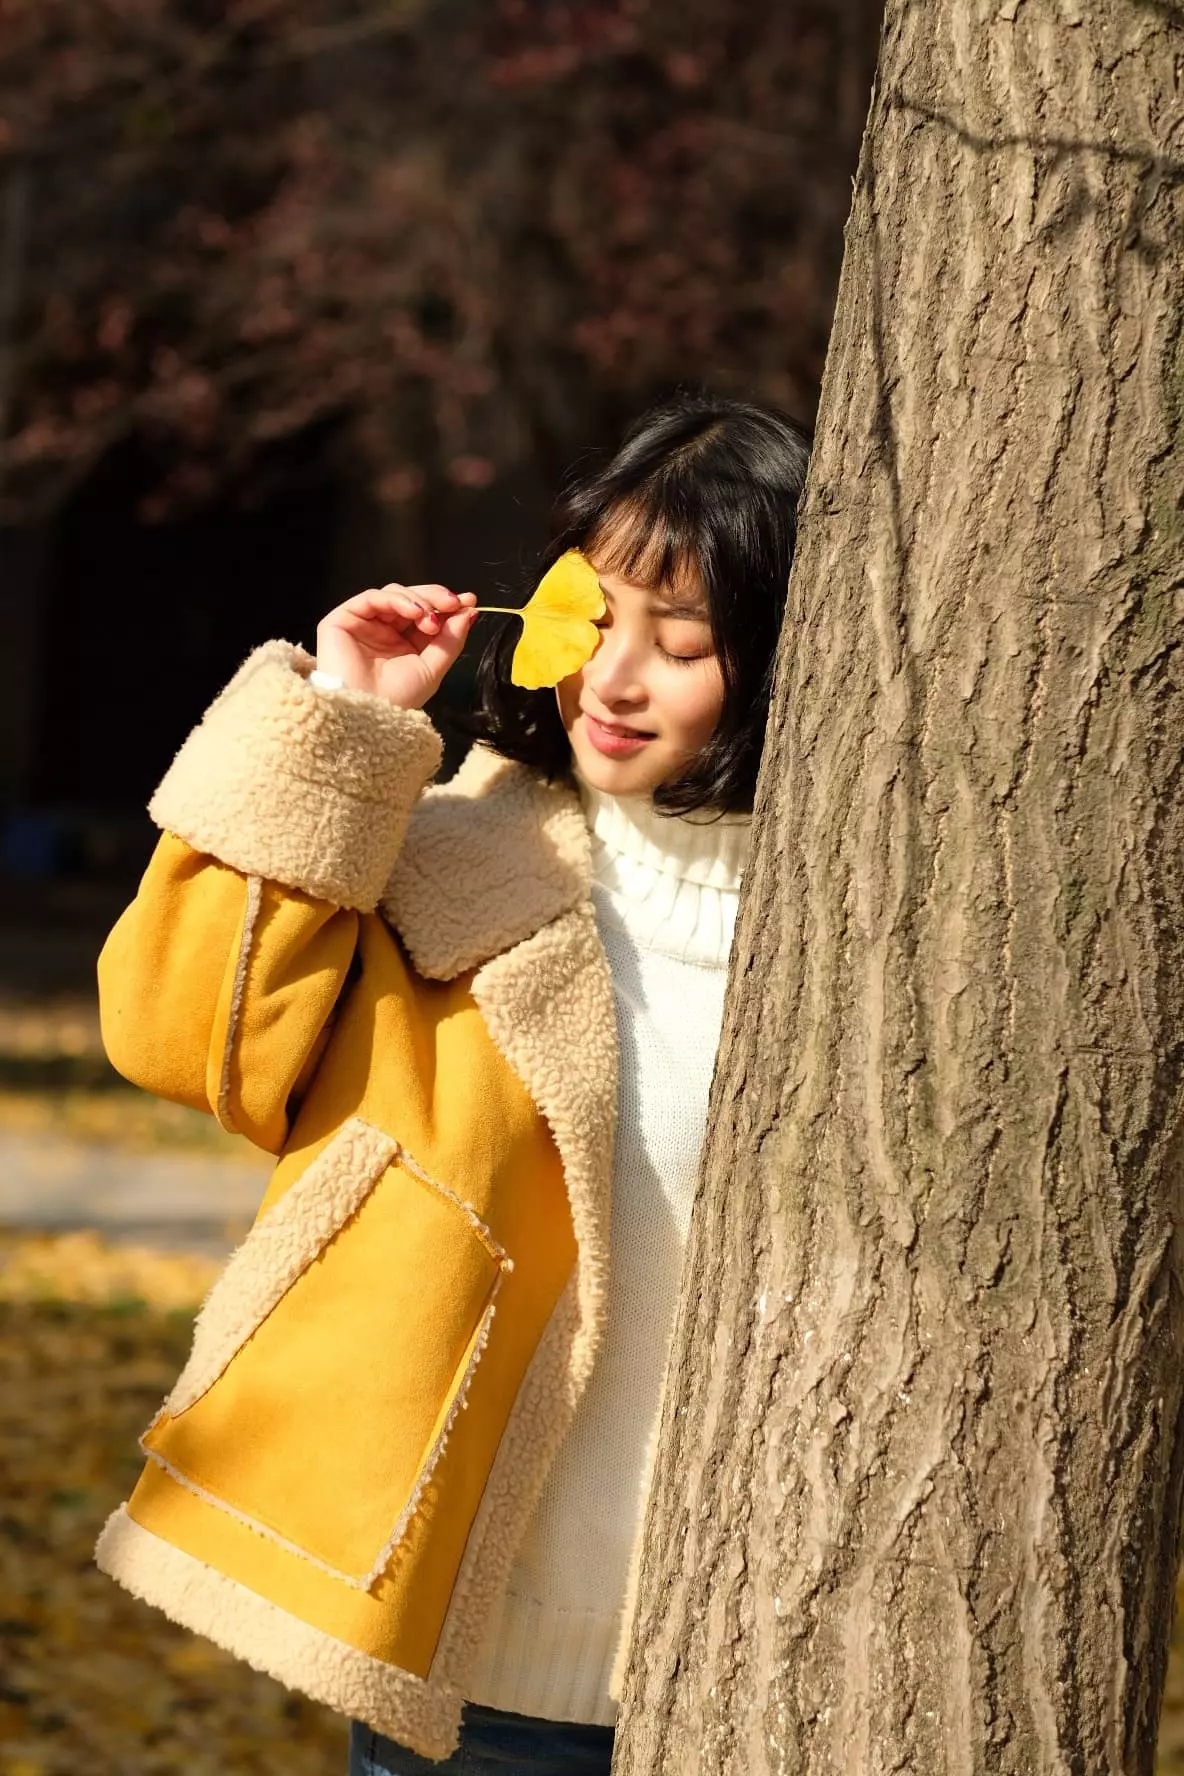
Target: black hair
{"points": [[699, 482]]}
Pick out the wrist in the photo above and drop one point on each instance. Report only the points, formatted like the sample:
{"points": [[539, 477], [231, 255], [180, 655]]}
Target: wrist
{"points": [[329, 681]]}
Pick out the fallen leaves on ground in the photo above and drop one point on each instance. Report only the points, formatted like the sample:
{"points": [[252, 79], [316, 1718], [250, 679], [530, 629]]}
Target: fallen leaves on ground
{"points": [[39, 1027], [55, 1078], [85, 1268], [122, 1116], [90, 1678]]}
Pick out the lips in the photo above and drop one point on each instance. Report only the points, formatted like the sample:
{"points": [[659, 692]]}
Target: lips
{"points": [[617, 741], [618, 729]]}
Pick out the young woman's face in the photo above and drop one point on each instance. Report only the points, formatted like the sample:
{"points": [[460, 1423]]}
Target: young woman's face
{"points": [[655, 674]]}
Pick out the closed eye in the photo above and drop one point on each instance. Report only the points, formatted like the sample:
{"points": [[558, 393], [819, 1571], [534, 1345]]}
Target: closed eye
{"points": [[678, 659], [682, 659]]}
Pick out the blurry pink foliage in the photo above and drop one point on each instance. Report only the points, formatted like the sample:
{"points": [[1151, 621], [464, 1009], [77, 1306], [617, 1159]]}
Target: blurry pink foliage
{"points": [[466, 230]]}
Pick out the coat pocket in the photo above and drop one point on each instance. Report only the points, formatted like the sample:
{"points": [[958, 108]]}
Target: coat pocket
{"points": [[332, 1355]]}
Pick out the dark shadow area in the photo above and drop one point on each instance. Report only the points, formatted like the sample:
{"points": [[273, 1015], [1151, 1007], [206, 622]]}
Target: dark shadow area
{"points": [[123, 632]]}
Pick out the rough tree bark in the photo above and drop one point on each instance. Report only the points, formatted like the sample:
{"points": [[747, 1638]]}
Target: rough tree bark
{"points": [[919, 1483]]}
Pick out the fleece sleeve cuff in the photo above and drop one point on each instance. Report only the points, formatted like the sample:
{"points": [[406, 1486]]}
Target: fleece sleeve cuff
{"points": [[309, 787]]}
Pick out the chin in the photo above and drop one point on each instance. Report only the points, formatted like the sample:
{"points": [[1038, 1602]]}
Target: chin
{"points": [[617, 776]]}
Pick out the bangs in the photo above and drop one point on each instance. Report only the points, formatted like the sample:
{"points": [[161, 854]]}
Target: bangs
{"points": [[651, 540]]}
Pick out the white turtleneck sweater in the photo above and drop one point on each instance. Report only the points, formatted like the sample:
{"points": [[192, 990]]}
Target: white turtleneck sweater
{"points": [[665, 892]]}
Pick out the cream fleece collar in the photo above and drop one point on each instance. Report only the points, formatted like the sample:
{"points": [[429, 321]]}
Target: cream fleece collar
{"points": [[495, 853], [489, 857]]}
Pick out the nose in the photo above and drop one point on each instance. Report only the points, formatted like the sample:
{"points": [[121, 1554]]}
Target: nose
{"points": [[614, 670]]}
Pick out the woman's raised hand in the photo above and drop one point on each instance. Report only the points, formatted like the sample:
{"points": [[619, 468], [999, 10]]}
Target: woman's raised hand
{"points": [[396, 641]]}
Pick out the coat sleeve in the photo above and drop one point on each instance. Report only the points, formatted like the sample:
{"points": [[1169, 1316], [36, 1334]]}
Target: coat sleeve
{"points": [[281, 819]]}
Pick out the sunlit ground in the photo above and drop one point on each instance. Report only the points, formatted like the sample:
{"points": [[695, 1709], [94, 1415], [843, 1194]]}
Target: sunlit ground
{"points": [[93, 1680], [93, 1333]]}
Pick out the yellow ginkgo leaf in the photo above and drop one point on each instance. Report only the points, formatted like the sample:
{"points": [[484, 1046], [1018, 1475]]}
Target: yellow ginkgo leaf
{"points": [[558, 632]]}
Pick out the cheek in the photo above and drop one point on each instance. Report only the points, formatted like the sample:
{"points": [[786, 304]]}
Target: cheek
{"points": [[695, 708], [567, 695]]}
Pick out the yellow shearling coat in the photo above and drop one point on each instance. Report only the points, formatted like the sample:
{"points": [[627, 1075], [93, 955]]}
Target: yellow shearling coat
{"points": [[401, 993]]}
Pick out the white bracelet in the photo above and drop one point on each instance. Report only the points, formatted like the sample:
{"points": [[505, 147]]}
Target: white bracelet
{"points": [[325, 680]]}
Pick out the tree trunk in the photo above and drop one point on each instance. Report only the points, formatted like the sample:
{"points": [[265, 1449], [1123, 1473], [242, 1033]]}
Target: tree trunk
{"points": [[919, 1482]]}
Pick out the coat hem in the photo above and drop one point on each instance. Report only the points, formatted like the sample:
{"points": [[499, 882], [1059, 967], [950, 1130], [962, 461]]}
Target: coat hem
{"points": [[417, 1712]]}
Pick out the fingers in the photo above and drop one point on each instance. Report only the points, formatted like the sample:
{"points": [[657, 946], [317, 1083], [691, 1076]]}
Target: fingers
{"points": [[399, 640], [444, 639], [427, 607]]}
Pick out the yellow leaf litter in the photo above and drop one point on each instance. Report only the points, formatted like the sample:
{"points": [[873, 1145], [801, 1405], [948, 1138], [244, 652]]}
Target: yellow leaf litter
{"points": [[83, 1267], [92, 1336]]}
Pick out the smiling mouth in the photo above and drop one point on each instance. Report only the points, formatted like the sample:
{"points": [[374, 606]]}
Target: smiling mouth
{"points": [[619, 732]]}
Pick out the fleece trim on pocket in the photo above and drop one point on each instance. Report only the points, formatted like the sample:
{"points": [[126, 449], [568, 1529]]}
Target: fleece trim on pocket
{"points": [[241, 1452], [282, 1244]]}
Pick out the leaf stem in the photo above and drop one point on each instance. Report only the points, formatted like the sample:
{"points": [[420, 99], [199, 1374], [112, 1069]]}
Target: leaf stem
{"points": [[502, 610]]}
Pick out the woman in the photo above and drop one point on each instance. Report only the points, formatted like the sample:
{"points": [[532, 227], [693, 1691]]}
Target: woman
{"points": [[405, 1466]]}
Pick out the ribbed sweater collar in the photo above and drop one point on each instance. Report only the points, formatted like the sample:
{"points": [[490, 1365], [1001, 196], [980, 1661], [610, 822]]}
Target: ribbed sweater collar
{"points": [[671, 881]]}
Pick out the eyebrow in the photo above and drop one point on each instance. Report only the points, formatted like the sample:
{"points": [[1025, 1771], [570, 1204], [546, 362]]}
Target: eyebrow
{"points": [[671, 607]]}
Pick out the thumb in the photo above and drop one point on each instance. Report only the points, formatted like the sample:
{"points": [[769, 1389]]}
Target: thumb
{"points": [[442, 650]]}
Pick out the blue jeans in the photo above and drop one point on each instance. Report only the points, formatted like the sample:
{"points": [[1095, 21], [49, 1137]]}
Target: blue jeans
{"points": [[492, 1743]]}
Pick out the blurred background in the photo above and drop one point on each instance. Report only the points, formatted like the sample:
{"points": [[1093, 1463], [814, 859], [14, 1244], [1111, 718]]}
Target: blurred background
{"points": [[297, 299]]}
